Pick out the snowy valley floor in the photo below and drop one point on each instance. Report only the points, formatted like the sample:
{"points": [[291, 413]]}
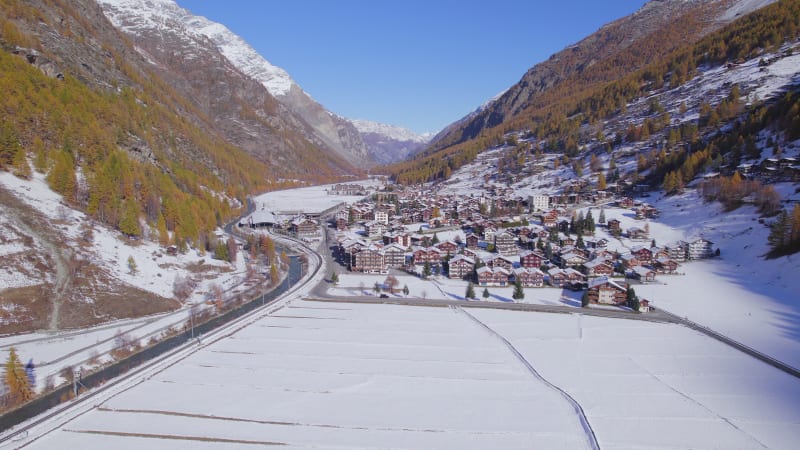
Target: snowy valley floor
{"points": [[380, 376]]}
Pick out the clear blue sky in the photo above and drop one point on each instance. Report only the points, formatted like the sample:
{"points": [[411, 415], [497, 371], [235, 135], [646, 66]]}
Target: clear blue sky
{"points": [[420, 64]]}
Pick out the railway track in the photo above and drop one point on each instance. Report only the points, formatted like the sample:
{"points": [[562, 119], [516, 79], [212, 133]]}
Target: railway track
{"points": [[26, 432]]}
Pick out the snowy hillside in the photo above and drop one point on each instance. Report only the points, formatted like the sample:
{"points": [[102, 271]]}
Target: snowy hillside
{"points": [[96, 274]]}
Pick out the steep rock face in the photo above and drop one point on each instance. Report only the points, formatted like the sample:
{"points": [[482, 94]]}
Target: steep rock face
{"points": [[619, 47], [389, 144], [158, 25]]}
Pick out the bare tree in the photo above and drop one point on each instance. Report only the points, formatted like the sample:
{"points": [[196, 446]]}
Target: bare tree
{"points": [[217, 295], [232, 249], [183, 287], [391, 282]]}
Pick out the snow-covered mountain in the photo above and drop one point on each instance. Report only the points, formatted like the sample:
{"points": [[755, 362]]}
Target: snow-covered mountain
{"points": [[144, 18], [388, 143]]}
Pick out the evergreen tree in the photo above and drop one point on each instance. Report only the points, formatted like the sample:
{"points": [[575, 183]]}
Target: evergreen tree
{"points": [[61, 177], [631, 299], [602, 218], [426, 270], [519, 293], [486, 293], [405, 290], [470, 291], [129, 223], [579, 243], [9, 144], [588, 222], [19, 389], [435, 239], [220, 251], [20, 163], [39, 155], [376, 288], [163, 234], [585, 299], [779, 234]]}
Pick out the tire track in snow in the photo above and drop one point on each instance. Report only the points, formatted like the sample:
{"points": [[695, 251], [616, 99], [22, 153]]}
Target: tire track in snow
{"points": [[587, 427], [696, 402]]}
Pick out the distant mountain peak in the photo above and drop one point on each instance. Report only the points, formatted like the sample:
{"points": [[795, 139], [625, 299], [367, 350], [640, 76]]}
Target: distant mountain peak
{"points": [[391, 131]]}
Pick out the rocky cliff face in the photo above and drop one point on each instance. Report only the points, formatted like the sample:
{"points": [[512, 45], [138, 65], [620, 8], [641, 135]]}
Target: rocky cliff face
{"points": [[163, 31]]}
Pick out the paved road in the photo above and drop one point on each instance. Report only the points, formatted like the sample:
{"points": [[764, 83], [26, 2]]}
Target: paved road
{"points": [[653, 316]]}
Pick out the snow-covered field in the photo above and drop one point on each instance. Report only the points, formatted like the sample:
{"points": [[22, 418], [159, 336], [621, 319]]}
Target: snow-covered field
{"points": [[382, 376], [440, 288], [312, 199]]}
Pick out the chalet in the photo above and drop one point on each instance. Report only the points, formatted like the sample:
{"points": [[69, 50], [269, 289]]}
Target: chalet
{"points": [[563, 225], [493, 277], [598, 267], [431, 255], [677, 251], [614, 227], [343, 214], [506, 243], [304, 227], [605, 291], [341, 224], [550, 219], [560, 277], [531, 259], [461, 267], [630, 261], [500, 261], [700, 249], [566, 240], [471, 254], [644, 306], [645, 211], [573, 276], [638, 233], [642, 273], [642, 253], [370, 260], [448, 247], [472, 241], [665, 265], [529, 277], [572, 259], [374, 229], [625, 202], [394, 255], [596, 242]]}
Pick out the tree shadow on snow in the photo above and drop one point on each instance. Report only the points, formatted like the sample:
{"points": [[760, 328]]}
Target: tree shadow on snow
{"points": [[503, 299]]}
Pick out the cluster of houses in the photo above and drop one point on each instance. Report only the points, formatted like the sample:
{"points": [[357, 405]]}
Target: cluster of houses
{"points": [[534, 250], [771, 169]]}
